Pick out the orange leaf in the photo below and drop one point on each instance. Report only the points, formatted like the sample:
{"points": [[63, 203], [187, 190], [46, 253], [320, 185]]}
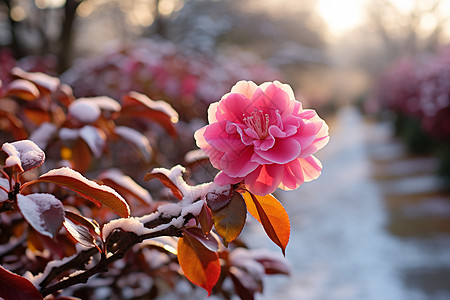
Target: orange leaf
{"points": [[230, 219], [87, 188], [200, 265], [272, 215]]}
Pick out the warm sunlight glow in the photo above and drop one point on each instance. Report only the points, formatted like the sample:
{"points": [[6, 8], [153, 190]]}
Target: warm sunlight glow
{"points": [[341, 16]]}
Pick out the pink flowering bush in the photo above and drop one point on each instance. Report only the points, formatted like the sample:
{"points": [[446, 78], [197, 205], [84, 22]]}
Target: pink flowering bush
{"points": [[261, 136]]}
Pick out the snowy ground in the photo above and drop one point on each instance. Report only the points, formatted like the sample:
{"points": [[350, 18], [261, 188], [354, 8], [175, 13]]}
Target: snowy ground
{"points": [[340, 245]]}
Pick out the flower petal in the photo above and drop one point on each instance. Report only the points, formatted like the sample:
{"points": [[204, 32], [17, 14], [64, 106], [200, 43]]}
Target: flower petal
{"points": [[292, 176], [283, 151], [223, 179], [217, 137], [233, 108], [246, 88], [238, 163], [311, 167], [264, 180]]}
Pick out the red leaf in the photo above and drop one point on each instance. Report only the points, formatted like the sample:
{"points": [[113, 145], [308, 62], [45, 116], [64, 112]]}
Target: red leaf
{"points": [[43, 212], [166, 181], [139, 105], [208, 240], [230, 219], [272, 215], [80, 220], [205, 219], [14, 125], [13, 286], [80, 233], [86, 188], [200, 265]]}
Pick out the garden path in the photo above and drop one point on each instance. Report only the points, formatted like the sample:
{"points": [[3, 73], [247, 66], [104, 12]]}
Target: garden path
{"points": [[373, 226]]}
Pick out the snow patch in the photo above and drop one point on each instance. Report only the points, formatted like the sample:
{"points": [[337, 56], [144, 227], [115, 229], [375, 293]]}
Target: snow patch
{"points": [[43, 134], [84, 110], [126, 182]]}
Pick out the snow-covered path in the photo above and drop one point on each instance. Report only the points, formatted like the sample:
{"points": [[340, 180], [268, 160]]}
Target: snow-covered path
{"points": [[340, 247]]}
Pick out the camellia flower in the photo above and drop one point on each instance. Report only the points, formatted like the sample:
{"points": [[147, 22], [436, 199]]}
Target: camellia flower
{"points": [[262, 136]]}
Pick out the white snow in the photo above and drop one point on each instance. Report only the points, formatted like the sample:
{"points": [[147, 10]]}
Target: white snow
{"points": [[24, 153], [170, 209], [5, 184], [43, 134], [127, 224], [137, 138], [104, 103], [84, 110], [68, 134], [195, 155], [126, 182], [94, 138]]}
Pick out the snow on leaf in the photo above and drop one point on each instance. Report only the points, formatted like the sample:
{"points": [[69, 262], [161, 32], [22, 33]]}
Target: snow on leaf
{"points": [[200, 265], [43, 134], [94, 138], [22, 89], [137, 139], [84, 110], [104, 102], [5, 184], [13, 286], [139, 105], [124, 184], [166, 180], [43, 212], [272, 215], [25, 154], [88, 189], [43, 81]]}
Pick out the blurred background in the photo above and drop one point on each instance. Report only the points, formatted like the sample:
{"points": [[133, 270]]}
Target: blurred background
{"points": [[376, 224]]}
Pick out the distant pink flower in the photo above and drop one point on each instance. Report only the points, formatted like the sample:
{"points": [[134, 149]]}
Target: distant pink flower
{"points": [[261, 135]]}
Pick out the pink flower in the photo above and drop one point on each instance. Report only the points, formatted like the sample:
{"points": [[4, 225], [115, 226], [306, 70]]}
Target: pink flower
{"points": [[261, 135]]}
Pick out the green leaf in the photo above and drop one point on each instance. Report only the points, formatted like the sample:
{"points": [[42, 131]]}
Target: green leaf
{"points": [[230, 219]]}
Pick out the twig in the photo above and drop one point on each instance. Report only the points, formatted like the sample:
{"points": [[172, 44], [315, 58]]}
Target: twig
{"points": [[122, 246]]}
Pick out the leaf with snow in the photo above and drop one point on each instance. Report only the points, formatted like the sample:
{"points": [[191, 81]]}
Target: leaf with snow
{"points": [[139, 105], [4, 183], [94, 138], [22, 89], [87, 188], [84, 111], [43, 81], [25, 154], [13, 286], [43, 134], [125, 185], [43, 212], [104, 103], [137, 139]]}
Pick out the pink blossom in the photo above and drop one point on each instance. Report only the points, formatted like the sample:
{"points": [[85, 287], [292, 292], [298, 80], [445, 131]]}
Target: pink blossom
{"points": [[262, 136]]}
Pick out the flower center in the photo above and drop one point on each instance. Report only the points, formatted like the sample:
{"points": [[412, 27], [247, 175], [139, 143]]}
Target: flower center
{"points": [[259, 122]]}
